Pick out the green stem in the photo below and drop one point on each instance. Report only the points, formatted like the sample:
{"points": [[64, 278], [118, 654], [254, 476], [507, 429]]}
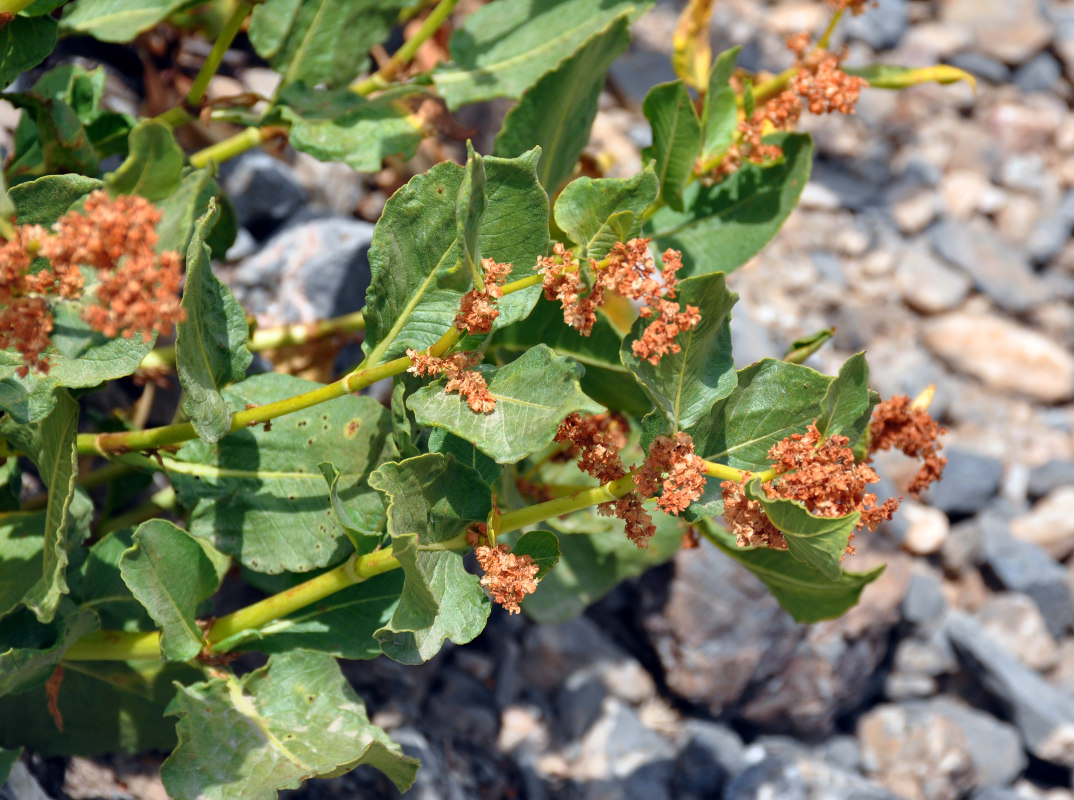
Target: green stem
{"points": [[216, 55], [115, 646], [164, 500], [233, 146], [822, 42], [405, 54]]}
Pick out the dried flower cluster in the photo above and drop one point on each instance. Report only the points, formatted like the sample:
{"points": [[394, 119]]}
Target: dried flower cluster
{"points": [[137, 289], [461, 378], [477, 309], [508, 577], [672, 468], [898, 425], [826, 479], [629, 270], [855, 7]]}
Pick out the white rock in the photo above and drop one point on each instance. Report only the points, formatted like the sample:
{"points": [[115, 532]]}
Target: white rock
{"points": [[1050, 523], [1015, 622], [927, 284], [927, 528], [1008, 30], [1006, 356], [914, 209], [962, 190]]}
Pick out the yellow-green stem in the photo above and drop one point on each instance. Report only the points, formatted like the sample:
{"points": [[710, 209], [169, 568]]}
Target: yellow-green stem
{"points": [[115, 646], [216, 55], [233, 146], [405, 54], [826, 37]]}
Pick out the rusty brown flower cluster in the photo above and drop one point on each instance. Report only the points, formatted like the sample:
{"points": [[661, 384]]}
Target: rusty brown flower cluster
{"points": [[461, 378], [824, 476], [823, 87], [137, 289], [508, 577], [630, 271], [855, 7], [477, 309], [674, 470]]}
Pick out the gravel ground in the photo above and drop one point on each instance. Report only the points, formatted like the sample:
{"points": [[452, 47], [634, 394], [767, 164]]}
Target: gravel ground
{"points": [[936, 235]]}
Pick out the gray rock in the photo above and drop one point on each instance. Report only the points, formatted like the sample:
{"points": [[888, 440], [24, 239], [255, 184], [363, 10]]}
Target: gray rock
{"points": [[579, 702], [1053, 231], [970, 480], [622, 758], [22, 785], [961, 552], [840, 751], [434, 780], [1014, 622], [1011, 31], [1050, 476], [927, 284], [853, 192], [998, 269], [1025, 172], [996, 793], [995, 746], [709, 756], [981, 66], [263, 190], [1043, 714], [924, 604], [1024, 567], [1039, 74], [883, 27], [801, 778]]}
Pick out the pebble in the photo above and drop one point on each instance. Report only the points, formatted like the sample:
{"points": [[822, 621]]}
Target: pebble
{"points": [[927, 529], [963, 191], [710, 754], [924, 604], [1006, 356], [969, 481], [1014, 621], [883, 27], [1050, 476], [981, 66], [1011, 31], [624, 757], [1052, 232], [1050, 523], [801, 777], [913, 207], [263, 190], [927, 284], [1039, 74]]}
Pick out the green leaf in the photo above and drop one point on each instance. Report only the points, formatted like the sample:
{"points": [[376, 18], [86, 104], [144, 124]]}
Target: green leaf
{"points": [[210, 342], [542, 547], [587, 208], [259, 495], [7, 206], [183, 207], [321, 41], [596, 556], [805, 346], [557, 112], [7, 761], [171, 595], [606, 381], [360, 513], [99, 584], [51, 446], [803, 592], [29, 663], [433, 501], [341, 625], [724, 225], [415, 257], [64, 145], [293, 719], [848, 404], [45, 200], [22, 546], [10, 487], [719, 114], [890, 76], [501, 49], [338, 125], [463, 451], [533, 394], [154, 167], [116, 20], [687, 384], [676, 138], [820, 542], [24, 43], [469, 211], [107, 707]]}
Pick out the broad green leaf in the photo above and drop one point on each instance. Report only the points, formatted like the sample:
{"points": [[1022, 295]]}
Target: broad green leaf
{"points": [[596, 556], [341, 625], [24, 43], [533, 394], [51, 446], [848, 403], [338, 125], [587, 208], [719, 114], [503, 48], [685, 385], [433, 500], [210, 342], [417, 271], [542, 547], [259, 495], [360, 513], [890, 76], [10, 488], [724, 225], [22, 546], [116, 20], [440, 441], [7, 761], [404, 428], [469, 211], [7, 207], [608, 382], [803, 592], [106, 706], [293, 719], [98, 584], [154, 167], [28, 660], [321, 41], [820, 542], [169, 573], [676, 138], [557, 112], [45, 200], [64, 145], [183, 207], [805, 346]]}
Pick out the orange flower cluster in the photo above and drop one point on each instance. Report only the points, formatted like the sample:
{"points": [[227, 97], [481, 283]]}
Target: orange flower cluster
{"points": [[855, 7], [824, 87], [477, 309], [631, 272], [825, 478], [461, 378], [897, 425], [675, 470], [598, 439], [137, 289], [508, 577]]}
